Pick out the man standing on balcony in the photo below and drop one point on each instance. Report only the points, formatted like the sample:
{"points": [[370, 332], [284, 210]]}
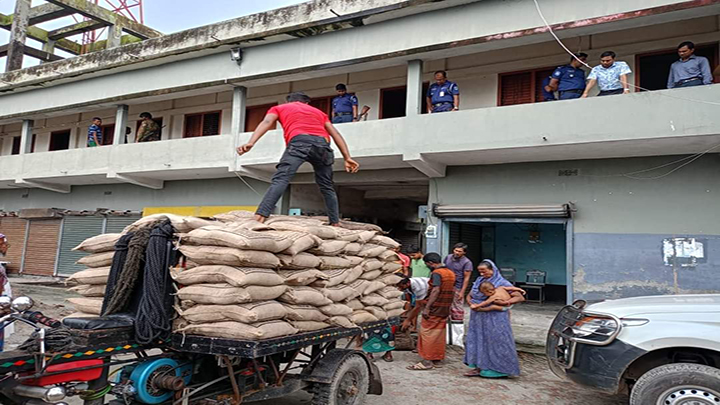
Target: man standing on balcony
{"points": [[569, 80], [344, 106], [443, 95], [690, 70], [610, 76], [95, 133], [307, 132], [149, 129]]}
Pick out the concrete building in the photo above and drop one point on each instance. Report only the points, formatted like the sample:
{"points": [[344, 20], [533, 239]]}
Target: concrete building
{"points": [[609, 196]]}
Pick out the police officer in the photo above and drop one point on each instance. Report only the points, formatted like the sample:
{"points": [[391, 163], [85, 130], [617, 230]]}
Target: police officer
{"points": [[569, 80], [443, 95], [547, 92], [344, 106]]}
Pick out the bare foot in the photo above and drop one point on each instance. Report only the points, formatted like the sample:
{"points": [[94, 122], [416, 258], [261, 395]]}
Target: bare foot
{"points": [[260, 218]]}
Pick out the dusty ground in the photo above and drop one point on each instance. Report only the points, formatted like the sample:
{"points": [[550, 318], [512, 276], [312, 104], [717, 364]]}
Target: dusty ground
{"points": [[537, 385]]}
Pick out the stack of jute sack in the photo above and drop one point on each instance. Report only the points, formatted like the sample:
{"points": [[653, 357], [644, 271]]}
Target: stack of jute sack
{"points": [[91, 283], [289, 275]]}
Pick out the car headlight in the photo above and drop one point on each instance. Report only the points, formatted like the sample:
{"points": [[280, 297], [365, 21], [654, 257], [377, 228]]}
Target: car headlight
{"points": [[596, 329]]}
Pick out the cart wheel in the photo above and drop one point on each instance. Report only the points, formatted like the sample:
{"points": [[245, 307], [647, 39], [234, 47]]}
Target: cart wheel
{"points": [[349, 385]]}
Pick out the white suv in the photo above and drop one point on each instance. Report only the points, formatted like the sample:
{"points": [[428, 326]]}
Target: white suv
{"points": [[662, 350]]}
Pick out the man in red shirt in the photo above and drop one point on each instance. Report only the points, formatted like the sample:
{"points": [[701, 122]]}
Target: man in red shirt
{"points": [[307, 132]]}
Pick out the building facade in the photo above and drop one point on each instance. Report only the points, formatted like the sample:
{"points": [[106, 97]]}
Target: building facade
{"points": [[608, 196]]}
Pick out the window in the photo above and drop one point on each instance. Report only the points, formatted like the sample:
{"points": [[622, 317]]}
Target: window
{"points": [[16, 145], [522, 87], [59, 140], [652, 69], [158, 121], [323, 104], [108, 134], [393, 101], [32, 144], [203, 124], [255, 114]]}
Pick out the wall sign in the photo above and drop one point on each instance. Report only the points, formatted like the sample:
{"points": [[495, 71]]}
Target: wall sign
{"points": [[686, 252]]}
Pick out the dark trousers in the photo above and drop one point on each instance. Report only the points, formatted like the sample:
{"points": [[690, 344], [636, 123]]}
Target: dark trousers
{"points": [[341, 118], [570, 94], [304, 148], [690, 83], [611, 92], [442, 107]]}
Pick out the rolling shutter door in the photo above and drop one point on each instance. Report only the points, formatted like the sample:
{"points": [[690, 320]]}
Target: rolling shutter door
{"points": [[117, 224], [41, 247], [76, 229], [503, 210], [14, 229]]}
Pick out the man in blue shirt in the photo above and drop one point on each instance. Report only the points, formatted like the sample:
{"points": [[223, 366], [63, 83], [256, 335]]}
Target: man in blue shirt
{"points": [[569, 80], [344, 106], [95, 133], [547, 91], [443, 95], [690, 70], [610, 76]]}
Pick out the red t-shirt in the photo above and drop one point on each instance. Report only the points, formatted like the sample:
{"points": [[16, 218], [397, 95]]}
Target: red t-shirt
{"points": [[301, 119]]}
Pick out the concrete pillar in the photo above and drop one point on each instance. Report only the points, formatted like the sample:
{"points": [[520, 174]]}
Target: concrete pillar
{"points": [[18, 34], [26, 136], [121, 119], [49, 47], [239, 104], [414, 88], [114, 36]]}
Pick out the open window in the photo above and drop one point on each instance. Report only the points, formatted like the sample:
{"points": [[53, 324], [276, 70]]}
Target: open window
{"points": [[652, 69], [59, 140], [108, 134], [203, 124], [16, 145], [522, 87], [393, 101]]}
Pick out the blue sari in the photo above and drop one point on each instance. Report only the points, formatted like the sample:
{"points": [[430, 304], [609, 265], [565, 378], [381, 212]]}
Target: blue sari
{"points": [[490, 344]]}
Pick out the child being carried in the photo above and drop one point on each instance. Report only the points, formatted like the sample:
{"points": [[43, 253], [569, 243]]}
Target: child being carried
{"points": [[498, 297]]}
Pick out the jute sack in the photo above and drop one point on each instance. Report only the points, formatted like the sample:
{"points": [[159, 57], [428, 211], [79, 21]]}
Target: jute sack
{"points": [[390, 293], [333, 262], [342, 321], [388, 256], [385, 241], [301, 242], [352, 249], [371, 250], [96, 260], [309, 326], [355, 260], [391, 267], [245, 313], [334, 277], [302, 277], [359, 285], [371, 275], [180, 223], [238, 330], [310, 226], [304, 295], [100, 243], [230, 256], [340, 293], [330, 248], [90, 290], [87, 305], [235, 276], [226, 294], [235, 216], [390, 279], [393, 313], [355, 235], [179, 323], [355, 304], [377, 312], [304, 313], [362, 316], [374, 300], [354, 225], [372, 264], [298, 262], [374, 286], [237, 237], [336, 310], [353, 274], [90, 276], [394, 305]]}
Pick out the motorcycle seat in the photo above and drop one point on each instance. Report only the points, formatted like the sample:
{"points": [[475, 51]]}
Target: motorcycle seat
{"points": [[117, 321]]}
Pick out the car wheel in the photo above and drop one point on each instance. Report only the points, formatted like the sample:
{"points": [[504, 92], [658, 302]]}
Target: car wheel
{"points": [[676, 384]]}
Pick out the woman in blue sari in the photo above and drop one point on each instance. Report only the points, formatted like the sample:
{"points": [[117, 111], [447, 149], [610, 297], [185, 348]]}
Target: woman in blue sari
{"points": [[490, 345]]}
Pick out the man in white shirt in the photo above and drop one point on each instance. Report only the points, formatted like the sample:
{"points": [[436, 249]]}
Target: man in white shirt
{"points": [[611, 76]]}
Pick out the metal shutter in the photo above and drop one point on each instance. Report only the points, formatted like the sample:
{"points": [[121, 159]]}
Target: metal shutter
{"points": [[14, 229], [117, 224], [504, 210], [76, 229], [41, 247]]}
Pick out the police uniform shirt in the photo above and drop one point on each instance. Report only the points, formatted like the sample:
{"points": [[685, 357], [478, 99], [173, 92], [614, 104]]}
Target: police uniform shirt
{"points": [[443, 93], [569, 78], [547, 95], [344, 103]]}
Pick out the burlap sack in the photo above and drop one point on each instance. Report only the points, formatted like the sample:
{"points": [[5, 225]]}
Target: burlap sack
{"points": [[298, 262], [310, 226], [359, 285], [355, 235], [179, 323], [333, 262], [353, 274], [355, 260], [96, 260], [302, 277], [245, 313], [301, 242], [336, 310], [226, 294], [371, 275], [385, 241], [230, 256], [352, 249], [340, 293], [355, 304], [390, 293], [100, 243], [237, 330], [393, 313], [309, 326], [374, 299], [180, 223], [334, 277], [87, 305], [90, 290], [235, 276], [330, 248], [372, 264], [373, 286], [304, 313], [342, 321], [360, 317], [356, 225], [390, 279], [235, 216], [371, 250], [391, 267], [377, 312], [304, 295], [388, 256], [237, 237], [394, 305], [90, 276]]}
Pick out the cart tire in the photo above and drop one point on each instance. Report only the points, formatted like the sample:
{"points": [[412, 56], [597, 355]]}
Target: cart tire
{"points": [[349, 384]]}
